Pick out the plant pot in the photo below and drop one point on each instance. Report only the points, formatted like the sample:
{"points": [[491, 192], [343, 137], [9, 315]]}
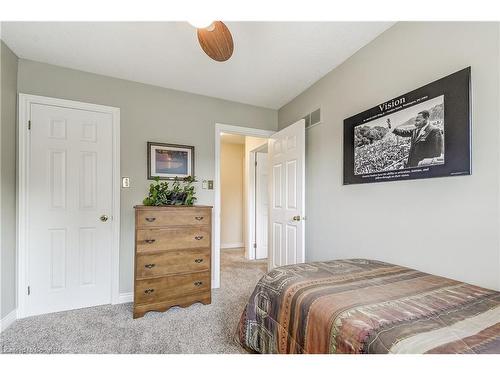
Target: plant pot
{"points": [[178, 198]]}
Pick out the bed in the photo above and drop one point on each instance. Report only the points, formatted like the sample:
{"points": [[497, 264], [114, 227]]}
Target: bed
{"points": [[367, 306]]}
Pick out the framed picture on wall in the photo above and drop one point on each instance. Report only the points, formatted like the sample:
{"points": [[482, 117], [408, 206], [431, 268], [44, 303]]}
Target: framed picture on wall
{"points": [[422, 134], [169, 161]]}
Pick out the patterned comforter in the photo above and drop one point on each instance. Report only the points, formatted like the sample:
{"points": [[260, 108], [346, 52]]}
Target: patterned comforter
{"points": [[366, 306]]}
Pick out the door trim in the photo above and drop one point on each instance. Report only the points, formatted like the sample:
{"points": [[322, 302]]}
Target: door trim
{"points": [[25, 101], [240, 130]]}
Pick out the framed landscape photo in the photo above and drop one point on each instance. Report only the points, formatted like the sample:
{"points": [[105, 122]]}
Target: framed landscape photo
{"points": [[168, 161], [422, 134]]}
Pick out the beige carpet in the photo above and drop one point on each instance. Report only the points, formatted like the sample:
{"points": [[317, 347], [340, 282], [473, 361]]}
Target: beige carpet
{"points": [[111, 329]]}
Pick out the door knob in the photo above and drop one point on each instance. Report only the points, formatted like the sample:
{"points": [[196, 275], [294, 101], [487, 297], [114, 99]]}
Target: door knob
{"points": [[104, 218], [296, 218]]}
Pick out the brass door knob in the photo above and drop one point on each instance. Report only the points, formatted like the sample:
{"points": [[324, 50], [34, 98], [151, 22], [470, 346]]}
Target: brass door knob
{"points": [[296, 218], [104, 218]]}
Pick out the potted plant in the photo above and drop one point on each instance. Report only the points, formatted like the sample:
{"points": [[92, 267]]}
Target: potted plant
{"points": [[181, 193]]}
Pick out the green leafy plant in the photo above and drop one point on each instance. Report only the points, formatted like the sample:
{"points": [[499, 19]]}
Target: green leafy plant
{"points": [[181, 192]]}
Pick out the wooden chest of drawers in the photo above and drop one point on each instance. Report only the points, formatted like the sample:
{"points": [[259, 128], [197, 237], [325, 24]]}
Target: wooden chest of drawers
{"points": [[172, 257]]}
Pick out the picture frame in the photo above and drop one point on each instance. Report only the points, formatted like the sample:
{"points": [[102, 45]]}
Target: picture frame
{"points": [[424, 133], [169, 161]]}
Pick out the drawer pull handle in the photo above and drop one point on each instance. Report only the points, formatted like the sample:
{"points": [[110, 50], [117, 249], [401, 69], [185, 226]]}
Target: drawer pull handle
{"points": [[149, 241], [150, 219], [199, 218], [149, 291], [198, 283], [150, 265], [199, 260], [197, 238]]}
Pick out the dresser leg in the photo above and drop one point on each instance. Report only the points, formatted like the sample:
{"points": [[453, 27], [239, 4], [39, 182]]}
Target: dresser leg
{"points": [[138, 314], [207, 301]]}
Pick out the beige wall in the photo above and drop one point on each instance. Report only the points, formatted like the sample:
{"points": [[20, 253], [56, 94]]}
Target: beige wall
{"points": [[232, 157], [447, 226], [8, 178], [148, 113]]}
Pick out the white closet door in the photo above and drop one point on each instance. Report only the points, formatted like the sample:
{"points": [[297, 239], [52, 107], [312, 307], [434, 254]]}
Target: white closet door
{"points": [[70, 203]]}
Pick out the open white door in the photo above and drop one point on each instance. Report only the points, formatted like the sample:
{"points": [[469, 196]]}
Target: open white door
{"points": [[287, 191]]}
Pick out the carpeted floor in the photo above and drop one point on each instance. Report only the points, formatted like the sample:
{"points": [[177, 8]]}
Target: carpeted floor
{"points": [[111, 329]]}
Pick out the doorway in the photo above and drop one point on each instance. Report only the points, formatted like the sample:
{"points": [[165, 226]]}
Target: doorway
{"points": [[253, 138], [68, 209]]}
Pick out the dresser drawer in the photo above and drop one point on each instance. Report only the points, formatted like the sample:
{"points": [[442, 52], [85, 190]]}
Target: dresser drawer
{"points": [[169, 262], [164, 288], [181, 216], [172, 238]]}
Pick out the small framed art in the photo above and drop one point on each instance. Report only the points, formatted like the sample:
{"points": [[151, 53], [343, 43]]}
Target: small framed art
{"points": [[168, 161]]}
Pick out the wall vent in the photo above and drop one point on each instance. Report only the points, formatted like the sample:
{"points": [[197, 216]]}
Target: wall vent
{"points": [[313, 118]]}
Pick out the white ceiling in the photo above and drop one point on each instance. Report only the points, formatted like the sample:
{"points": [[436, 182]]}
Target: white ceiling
{"points": [[272, 61]]}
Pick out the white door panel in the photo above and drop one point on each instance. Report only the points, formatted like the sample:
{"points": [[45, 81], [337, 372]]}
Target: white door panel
{"points": [[70, 187], [261, 205], [287, 190]]}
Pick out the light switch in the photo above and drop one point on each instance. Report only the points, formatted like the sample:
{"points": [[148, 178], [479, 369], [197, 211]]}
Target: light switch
{"points": [[126, 182], [210, 184], [204, 184]]}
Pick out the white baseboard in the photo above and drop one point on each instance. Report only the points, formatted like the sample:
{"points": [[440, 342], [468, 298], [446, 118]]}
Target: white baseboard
{"points": [[233, 245], [7, 320], [126, 297]]}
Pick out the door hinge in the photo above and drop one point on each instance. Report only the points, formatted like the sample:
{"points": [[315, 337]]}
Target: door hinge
{"points": [[256, 163], [255, 245], [29, 290], [29, 124]]}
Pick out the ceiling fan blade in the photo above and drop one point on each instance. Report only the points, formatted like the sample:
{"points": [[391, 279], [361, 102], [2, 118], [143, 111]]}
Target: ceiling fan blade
{"points": [[216, 41]]}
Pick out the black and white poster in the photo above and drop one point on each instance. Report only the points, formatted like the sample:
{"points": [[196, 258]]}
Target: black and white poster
{"points": [[422, 134]]}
